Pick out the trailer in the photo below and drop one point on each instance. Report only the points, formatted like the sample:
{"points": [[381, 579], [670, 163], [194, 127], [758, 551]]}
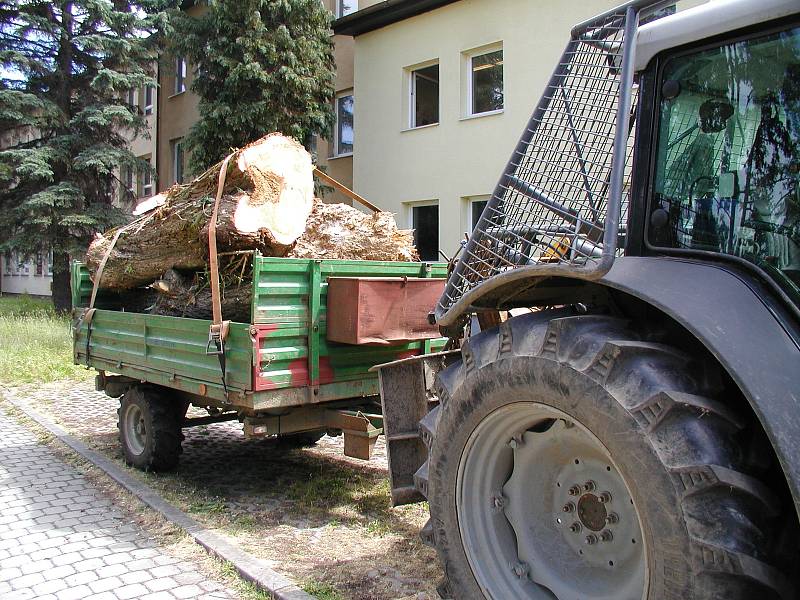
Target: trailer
{"points": [[278, 374]]}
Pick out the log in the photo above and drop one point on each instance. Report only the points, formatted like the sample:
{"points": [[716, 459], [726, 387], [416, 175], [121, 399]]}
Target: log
{"points": [[269, 194], [188, 295], [339, 231]]}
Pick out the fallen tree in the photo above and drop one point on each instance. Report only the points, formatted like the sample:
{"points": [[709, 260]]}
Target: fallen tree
{"points": [[268, 195]]}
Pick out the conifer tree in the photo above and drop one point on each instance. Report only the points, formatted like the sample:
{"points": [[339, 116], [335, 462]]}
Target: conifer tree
{"points": [[66, 68], [261, 66]]}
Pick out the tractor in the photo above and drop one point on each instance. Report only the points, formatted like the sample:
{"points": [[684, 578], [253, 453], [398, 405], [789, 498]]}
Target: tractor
{"points": [[617, 415]]}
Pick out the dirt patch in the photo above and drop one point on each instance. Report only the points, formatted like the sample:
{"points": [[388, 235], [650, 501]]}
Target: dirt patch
{"points": [[313, 514]]}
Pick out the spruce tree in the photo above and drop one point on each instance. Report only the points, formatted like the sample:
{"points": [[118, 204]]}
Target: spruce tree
{"points": [[261, 66], [66, 68]]}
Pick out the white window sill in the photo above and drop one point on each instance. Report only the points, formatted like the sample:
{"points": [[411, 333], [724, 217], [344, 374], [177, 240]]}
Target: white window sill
{"points": [[176, 94], [420, 127], [345, 155], [491, 113]]}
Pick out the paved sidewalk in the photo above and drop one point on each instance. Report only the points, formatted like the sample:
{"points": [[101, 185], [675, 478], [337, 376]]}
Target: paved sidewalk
{"points": [[61, 539]]}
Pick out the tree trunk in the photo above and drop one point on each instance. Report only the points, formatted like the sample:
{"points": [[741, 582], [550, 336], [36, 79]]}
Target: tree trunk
{"points": [[269, 195], [60, 288], [189, 296]]}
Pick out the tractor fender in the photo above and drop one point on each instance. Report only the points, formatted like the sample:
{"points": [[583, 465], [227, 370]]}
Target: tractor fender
{"points": [[753, 339]]}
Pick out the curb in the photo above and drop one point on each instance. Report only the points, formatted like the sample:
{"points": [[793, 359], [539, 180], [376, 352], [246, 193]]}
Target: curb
{"points": [[249, 568]]}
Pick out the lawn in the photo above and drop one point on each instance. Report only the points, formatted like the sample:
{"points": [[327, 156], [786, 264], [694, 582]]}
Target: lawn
{"points": [[35, 343]]}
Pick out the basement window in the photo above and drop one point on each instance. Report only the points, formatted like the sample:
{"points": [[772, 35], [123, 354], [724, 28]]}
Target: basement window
{"points": [[425, 221]]}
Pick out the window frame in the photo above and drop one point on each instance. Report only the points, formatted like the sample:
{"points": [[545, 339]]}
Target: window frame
{"points": [[410, 206], [469, 101], [130, 97], [412, 91], [335, 146], [471, 201], [180, 75], [145, 181], [176, 144], [149, 90], [340, 8], [648, 124]]}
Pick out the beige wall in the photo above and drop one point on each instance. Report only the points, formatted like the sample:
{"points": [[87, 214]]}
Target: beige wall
{"points": [[460, 157]]}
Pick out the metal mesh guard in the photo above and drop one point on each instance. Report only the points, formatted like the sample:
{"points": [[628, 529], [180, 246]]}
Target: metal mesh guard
{"points": [[550, 206]]}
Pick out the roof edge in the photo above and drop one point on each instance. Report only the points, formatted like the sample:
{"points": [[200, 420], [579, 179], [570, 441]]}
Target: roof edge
{"points": [[383, 14]]}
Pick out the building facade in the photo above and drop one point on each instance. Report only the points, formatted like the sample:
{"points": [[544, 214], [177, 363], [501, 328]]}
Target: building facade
{"points": [[444, 90]]}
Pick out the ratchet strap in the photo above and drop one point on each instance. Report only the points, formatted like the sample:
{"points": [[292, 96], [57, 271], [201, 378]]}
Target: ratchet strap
{"points": [[88, 314], [218, 330]]}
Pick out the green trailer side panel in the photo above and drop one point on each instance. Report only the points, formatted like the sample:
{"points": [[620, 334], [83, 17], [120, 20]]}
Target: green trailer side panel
{"points": [[290, 309], [166, 345]]}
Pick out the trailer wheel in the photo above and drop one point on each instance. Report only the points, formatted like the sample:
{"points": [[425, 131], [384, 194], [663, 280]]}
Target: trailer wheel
{"points": [[305, 439], [570, 459], [150, 429]]}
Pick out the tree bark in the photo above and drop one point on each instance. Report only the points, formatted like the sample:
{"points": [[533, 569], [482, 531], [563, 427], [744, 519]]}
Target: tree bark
{"points": [[269, 195], [60, 288]]}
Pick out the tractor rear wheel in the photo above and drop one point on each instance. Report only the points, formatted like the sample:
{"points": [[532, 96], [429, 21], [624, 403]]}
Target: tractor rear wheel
{"points": [[150, 429], [569, 458]]}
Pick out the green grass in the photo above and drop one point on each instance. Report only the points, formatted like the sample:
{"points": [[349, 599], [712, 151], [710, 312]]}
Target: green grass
{"points": [[36, 342], [322, 591]]}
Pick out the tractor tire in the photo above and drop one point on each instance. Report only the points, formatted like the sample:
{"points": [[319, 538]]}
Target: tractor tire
{"points": [[150, 429], [570, 458], [305, 439]]}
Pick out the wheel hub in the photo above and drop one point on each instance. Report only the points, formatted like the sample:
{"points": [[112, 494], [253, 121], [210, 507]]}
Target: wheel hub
{"points": [[591, 512], [560, 511], [135, 429]]}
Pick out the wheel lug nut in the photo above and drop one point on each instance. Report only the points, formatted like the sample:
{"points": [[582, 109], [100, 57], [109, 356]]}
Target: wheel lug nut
{"points": [[612, 518], [606, 535], [588, 486], [520, 569], [591, 539], [498, 501], [575, 527], [568, 507], [605, 497], [574, 490]]}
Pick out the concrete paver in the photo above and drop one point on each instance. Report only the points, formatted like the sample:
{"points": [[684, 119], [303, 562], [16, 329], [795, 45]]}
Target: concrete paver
{"points": [[60, 538]]}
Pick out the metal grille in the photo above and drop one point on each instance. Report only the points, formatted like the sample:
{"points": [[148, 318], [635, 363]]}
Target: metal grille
{"points": [[554, 201]]}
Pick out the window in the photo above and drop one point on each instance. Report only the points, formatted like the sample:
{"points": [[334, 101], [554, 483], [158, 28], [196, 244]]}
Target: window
{"points": [[146, 180], [23, 265], [177, 161], [148, 100], [7, 268], [425, 221], [39, 264], [343, 144], [128, 179], [485, 83], [180, 75], [476, 206], [726, 178], [50, 263], [131, 97], [424, 96], [345, 7]]}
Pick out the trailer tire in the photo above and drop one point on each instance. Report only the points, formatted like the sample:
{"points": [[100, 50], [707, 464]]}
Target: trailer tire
{"points": [[668, 442], [150, 429]]}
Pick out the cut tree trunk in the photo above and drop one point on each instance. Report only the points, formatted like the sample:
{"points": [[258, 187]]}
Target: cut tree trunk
{"points": [[269, 194], [339, 231]]}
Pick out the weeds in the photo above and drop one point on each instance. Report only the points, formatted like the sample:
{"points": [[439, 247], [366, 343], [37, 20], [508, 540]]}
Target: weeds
{"points": [[322, 591], [36, 343]]}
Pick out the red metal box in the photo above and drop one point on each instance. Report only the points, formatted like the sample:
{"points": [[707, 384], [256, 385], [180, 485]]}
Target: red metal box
{"points": [[381, 310]]}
